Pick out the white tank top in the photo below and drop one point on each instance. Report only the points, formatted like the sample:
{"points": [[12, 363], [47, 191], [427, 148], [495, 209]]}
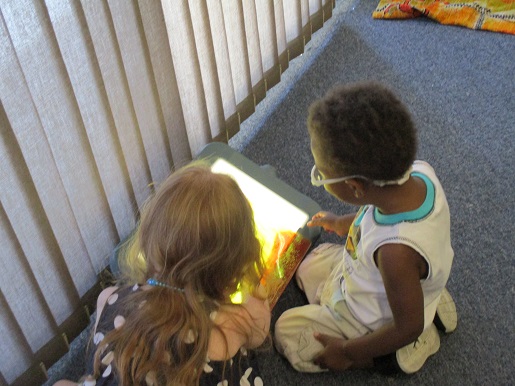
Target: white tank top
{"points": [[425, 229]]}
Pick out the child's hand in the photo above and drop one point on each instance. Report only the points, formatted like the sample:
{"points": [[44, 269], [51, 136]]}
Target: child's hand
{"points": [[260, 292], [333, 356], [329, 221]]}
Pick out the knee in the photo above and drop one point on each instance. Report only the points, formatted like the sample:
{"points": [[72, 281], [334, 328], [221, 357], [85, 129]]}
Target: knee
{"points": [[287, 325], [290, 325], [294, 339]]}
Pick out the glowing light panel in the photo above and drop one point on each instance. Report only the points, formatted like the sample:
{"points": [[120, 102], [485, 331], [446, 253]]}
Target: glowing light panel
{"points": [[272, 213], [277, 222]]}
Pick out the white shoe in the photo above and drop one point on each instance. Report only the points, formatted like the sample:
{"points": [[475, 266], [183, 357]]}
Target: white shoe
{"points": [[446, 318], [412, 357]]}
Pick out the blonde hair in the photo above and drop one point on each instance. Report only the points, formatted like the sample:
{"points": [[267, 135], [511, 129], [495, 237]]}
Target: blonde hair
{"points": [[196, 233]]}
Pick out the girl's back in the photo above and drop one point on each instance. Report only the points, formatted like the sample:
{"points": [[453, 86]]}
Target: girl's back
{"points": [[237, 367], [195, 244]]}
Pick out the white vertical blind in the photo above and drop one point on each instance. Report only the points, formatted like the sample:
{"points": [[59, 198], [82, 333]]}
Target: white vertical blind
{"points": [[221, 57], [100, 100], [187, 70], [268, 44]]}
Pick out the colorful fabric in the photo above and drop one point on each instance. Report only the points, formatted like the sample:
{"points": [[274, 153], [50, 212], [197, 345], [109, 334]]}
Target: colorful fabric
{"points": [[491, 15]]}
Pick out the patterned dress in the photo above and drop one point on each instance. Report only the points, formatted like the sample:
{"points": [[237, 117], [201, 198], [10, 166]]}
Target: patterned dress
{"points": [[242, 369]]}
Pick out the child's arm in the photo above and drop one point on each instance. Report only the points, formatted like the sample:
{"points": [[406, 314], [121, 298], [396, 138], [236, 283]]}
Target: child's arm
{"points": [[65, 382], [259, 312], [246, 325], [401, 268], [332, 222]]}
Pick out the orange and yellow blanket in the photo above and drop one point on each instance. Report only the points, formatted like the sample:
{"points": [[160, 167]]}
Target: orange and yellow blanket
{"points": [[491, 15]]}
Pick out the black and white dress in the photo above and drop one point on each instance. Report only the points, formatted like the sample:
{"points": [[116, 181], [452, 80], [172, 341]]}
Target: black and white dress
{"points": [[242, 369]]}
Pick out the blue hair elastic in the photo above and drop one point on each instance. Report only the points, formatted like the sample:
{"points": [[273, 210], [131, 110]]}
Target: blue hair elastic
{"points": [[157, 283]]}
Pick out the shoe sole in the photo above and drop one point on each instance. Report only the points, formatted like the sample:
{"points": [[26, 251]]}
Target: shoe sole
{"points": [[446, 318]]}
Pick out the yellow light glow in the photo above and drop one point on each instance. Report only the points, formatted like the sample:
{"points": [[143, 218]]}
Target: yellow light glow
{"points": [[272, 213], [237, 297]]}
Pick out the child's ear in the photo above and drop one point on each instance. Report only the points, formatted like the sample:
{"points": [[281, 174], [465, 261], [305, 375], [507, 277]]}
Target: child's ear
{"points": [[358, 188]]}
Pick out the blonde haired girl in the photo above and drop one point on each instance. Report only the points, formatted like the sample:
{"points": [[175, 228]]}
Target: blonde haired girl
{"points": [[195, 243]]}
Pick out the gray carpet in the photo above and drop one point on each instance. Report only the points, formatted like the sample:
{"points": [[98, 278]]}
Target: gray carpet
{"points": [[459, 85]]}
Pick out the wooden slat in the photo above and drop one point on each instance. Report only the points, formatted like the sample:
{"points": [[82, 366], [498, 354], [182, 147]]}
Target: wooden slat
{"points": [[296, 47], [32, 376], [246, 107], [259, 91], [272, 77], [232, 125]]}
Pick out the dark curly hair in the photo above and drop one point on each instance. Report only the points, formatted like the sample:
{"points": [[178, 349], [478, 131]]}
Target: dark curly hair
{"points": [[363, 129]]}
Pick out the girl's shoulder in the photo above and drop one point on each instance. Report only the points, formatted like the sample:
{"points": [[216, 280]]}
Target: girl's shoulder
{"points": [[251, 314], [230, 336], [243, 326]]}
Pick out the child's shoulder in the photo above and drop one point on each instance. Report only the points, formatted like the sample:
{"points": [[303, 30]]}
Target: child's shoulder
{"points": [[251, 318], [228, 314], [423, 167]]}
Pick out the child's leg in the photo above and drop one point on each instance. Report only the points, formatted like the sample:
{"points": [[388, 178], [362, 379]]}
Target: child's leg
{"points": [[294, 329], [316, 268], [294, 334]]}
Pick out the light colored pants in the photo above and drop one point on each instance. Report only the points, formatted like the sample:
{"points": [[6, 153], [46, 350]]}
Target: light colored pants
{"points": [[319, 276]]}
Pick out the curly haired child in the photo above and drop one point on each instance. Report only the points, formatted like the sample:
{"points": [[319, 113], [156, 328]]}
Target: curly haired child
{"points": [[173, 323], [373, 300]]}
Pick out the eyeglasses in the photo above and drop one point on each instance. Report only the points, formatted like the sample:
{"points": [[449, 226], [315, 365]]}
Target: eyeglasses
{"points": [[318, 180]]}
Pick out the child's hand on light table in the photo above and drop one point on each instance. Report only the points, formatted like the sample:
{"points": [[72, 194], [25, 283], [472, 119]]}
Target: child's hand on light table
{"points": [[329, 221]]}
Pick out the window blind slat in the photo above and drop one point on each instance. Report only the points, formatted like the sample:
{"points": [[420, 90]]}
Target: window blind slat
{"points": [[182, 45], [164, 72], [114, 80], [223, 62], [14, 361], [207, 64], [32, 37], [267, 34], [238, 50], [24, 130], [82, 69], [134, 53]]}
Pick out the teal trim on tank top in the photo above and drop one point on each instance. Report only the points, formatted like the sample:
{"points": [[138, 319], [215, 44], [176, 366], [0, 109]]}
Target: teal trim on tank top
{"points": [[358, 219], [413, 215]]}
